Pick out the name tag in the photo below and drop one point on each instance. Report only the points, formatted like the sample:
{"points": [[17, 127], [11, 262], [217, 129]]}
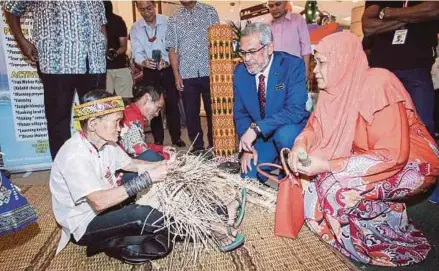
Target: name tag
{"points": [[400, 36], [280, 86]]}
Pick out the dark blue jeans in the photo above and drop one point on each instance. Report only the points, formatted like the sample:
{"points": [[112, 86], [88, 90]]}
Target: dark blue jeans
{"points": [[165, 79], [419, 85], [194, 88], [121, 220]]}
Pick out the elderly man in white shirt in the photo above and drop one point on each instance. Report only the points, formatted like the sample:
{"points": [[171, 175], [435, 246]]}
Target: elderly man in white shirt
{"points": [[148, 41], [89, 203]]}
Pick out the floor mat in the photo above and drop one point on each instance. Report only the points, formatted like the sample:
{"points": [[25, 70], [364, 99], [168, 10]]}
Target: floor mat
{"points": [[34, 248]]}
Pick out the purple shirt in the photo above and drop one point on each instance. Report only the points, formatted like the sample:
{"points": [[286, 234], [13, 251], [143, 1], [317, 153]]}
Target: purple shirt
{"points": [[291, 35]]}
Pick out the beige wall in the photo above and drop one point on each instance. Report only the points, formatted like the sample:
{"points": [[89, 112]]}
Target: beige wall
{"points": [[124, 9]]}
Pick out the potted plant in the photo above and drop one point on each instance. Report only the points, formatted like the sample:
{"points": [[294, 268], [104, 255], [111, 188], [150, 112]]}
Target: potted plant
{"points": [[237, 29]]}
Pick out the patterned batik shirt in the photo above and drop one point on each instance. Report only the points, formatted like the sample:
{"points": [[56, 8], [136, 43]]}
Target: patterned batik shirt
{"points": [[66, 34], [187, 34]]}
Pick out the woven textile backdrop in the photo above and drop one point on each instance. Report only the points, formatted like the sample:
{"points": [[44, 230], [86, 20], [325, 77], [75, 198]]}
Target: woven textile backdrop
{"points": [[221, 87]]}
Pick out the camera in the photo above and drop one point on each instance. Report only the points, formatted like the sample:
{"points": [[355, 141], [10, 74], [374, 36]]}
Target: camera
{"points": [[112, 54]]}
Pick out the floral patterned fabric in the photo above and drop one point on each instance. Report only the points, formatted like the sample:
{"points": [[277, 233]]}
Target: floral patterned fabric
{"points": [[133, 139], [358, 207], [379, 153], [15, 211]]}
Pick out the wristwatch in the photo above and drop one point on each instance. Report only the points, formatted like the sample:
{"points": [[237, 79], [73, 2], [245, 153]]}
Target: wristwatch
{"points": [[382, 13], [255, 128]]}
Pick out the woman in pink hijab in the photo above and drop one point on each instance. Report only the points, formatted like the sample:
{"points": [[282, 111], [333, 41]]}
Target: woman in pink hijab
{"points": [[369, 151]]}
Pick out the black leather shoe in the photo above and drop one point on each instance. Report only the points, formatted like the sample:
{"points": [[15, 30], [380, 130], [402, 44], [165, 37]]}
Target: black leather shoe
{"points": [[180, 143], [158, 142], [147, 248]]}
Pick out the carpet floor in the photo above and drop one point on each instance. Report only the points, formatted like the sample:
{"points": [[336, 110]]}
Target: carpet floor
{"points": [[34, 247]]}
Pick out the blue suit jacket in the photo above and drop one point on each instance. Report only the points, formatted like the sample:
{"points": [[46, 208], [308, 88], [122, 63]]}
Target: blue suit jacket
{"points": [[286, 96]]}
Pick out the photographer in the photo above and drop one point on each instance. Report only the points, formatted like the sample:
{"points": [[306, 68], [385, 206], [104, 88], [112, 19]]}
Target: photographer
{"points": [[148, 42], [119, 78]]}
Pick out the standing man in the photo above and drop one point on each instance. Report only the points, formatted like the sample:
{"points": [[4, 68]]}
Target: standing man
{"points": [[69, 51], [270, 96], [148, 37], [404, 41], [290, 32], [188, 45], [119, 78]]}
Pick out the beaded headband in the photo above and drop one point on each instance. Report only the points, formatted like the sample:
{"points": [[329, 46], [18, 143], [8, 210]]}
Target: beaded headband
{"points": [[97, 108]]}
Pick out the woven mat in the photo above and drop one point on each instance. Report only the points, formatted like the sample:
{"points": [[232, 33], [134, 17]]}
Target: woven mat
{"points": [[34, 248]]}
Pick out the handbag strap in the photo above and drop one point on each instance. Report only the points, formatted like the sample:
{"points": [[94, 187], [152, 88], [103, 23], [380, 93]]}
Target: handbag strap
{"points": [[265, 174], [284, 167]]}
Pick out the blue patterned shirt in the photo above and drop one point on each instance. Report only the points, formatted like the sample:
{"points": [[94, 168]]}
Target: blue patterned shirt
{"points": [[187, 34], [65, 34]]}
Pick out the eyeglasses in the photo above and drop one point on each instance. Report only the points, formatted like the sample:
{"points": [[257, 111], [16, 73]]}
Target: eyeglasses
{"points": [[277, 4], [243, 54]]}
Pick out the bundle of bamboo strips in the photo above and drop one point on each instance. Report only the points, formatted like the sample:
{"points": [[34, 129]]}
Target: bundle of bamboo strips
{"points": [[192, 194]]}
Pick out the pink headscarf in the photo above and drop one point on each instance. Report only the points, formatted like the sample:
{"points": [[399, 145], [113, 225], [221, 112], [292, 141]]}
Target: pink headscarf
{"points": [[353, 88]]}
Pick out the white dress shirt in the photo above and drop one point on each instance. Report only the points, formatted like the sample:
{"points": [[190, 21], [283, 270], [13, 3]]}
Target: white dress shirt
{"points": [[78, 170], [141, 47], [265, 72]]}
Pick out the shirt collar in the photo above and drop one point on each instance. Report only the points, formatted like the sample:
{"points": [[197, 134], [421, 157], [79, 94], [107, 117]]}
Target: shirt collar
{"points": [[266, 71], [92, 147], [288, 17], [160, 19], [197, 6]]}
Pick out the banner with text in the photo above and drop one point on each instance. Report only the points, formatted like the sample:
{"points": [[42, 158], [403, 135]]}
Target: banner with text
{"points": [[23, 134]]}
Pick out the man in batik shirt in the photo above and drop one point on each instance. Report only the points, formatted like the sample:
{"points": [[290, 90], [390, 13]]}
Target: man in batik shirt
{"points": [[68, 48]]}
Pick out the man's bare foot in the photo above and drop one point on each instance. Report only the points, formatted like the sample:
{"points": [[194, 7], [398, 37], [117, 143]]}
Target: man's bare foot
{"points": [[232, 209], [224, 235]]}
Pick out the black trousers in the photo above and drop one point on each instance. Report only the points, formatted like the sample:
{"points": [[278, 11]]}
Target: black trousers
{"points": [[122, 220], [59, 90], [193, 89], [165, 79]]}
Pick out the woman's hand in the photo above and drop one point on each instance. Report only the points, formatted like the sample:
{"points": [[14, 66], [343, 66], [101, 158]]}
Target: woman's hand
{"points": [[293, 158], [317, 166]]}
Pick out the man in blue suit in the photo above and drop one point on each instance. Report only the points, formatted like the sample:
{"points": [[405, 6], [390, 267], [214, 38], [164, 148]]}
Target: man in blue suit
{"points": [[270, 96]]}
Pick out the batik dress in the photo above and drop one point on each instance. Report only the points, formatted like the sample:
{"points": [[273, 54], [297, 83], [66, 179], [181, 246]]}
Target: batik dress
{"points": [[358, 208]]}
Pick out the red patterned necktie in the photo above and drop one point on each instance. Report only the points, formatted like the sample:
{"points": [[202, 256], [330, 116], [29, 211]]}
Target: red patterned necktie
{"points": [[261, 95]]}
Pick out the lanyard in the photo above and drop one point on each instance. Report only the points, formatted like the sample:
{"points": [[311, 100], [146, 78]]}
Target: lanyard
{"points": [[153, 38]]}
